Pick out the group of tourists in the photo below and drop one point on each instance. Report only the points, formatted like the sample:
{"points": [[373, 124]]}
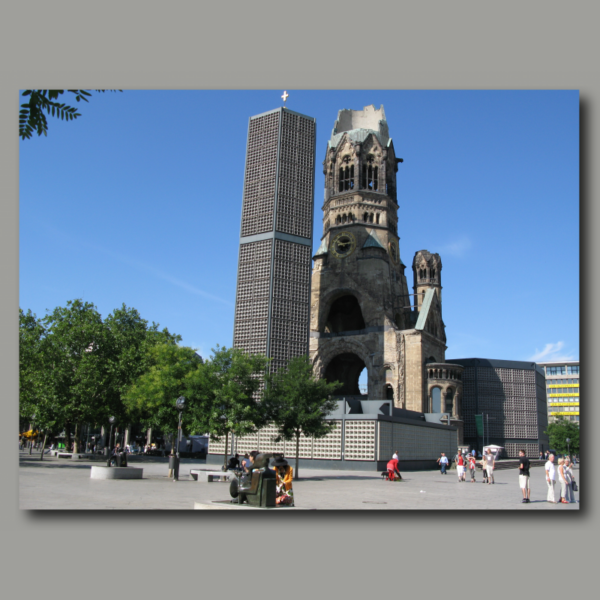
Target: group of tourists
{"points": [[563, 473], [466, 461], [284, 474]]}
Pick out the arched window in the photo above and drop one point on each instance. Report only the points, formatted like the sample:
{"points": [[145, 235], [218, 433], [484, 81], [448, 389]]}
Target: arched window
{"points": [[449, 401], [346, 178], [371, 218], [366, 217], [377, 218], [338, 220], [344, 218]]}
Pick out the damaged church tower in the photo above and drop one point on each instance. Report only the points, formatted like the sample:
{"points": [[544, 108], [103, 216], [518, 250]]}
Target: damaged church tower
{"points": [[362, 315]]}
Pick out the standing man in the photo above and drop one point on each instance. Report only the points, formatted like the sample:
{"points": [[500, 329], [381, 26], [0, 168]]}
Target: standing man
{"points": [[491, 462], [443, 462], [395, 455], [551, 479], [524, 477]]}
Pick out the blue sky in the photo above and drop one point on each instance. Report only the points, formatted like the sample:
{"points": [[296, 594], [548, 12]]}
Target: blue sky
{"points": [[139, 201]]}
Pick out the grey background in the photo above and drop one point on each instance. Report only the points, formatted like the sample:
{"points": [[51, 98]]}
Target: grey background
{"points": [[269, 44]]}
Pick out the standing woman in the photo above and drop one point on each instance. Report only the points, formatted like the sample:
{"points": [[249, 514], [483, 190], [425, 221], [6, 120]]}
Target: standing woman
{"points": [[484, 468], [568, 471], [562, 480]]}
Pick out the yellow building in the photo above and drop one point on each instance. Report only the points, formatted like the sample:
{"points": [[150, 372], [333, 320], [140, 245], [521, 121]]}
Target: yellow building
{"points": [[562, 390]]}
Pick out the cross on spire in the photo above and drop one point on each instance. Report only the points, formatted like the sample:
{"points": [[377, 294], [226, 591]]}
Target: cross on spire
{"points": [[285, 97]]}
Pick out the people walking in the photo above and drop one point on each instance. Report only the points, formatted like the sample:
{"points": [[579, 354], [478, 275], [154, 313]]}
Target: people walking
{"points": [[568, 470], [550, 478], [443, 462], [524, 477], [562, 479], [472, 467], [491, 463], [484, 468]]}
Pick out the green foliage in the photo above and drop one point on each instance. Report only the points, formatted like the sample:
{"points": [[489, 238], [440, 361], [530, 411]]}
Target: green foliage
{"points": [[227, 388], [75, 368], [558, 433], [151, 397], [129, 340], [298, 403], [34, 395], [32, 117]]}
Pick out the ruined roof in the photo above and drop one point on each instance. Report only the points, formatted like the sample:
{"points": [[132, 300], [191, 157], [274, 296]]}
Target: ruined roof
{"points": [[322, 248], [425, 308], [373, 241], [359, 124]]}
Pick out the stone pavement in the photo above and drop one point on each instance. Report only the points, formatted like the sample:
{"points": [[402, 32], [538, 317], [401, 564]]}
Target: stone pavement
{"points": [[66, 485]]}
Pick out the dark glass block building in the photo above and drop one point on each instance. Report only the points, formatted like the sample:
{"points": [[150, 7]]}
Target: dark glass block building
{"points": [[272, 310], [511, 396]]}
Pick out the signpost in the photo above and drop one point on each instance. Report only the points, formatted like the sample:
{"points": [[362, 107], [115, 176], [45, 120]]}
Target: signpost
{"points": [[480, 429]]}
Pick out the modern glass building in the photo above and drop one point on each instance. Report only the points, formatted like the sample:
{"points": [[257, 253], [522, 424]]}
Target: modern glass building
{"points": [[562, 389]]}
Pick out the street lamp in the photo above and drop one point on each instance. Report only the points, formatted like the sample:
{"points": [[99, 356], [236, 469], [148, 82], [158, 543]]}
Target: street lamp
{"points": [[174, 459], [568, 440], [111, 420]]}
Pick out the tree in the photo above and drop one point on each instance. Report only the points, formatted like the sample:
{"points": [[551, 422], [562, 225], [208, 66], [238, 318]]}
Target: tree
{"points": [[31, 115], [129, 340], [559, 431], [34, 398], [76, 355], [299, 403], [228, 390], [151, 397]]}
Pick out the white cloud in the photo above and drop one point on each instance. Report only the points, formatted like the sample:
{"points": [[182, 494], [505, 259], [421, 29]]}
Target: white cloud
{"points": [[551, 353], [458, 248]]}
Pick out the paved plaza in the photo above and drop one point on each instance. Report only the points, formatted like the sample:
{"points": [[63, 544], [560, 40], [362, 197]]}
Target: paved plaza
{"points": [[63, 484]]}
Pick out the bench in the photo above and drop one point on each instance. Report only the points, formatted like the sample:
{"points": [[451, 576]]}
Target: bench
{"points": [[70, 455], [210, 476]]}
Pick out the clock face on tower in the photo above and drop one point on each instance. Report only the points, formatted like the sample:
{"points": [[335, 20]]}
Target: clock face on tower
{"points": [[343, 244]]}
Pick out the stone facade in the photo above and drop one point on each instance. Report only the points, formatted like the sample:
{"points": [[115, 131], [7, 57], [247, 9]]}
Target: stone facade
{"points": [[361, 313]]}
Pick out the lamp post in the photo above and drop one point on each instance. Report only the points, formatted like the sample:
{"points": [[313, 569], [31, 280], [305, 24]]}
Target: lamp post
{"points": [[568, 440], [174, 459], [111, 420], [32, 432]]}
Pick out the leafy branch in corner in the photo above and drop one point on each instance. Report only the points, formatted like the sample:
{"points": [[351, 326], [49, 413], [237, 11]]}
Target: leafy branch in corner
{"points": [[32, 118]]}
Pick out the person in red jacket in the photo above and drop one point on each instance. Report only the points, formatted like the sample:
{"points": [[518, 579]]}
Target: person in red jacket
{"points": [[392, 468]]}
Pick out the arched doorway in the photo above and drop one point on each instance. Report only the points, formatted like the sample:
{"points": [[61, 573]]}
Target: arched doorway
{"points": [[344, 315], [345, 368]]}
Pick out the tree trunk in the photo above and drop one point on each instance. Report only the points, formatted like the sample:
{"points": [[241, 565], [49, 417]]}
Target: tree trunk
{"points": [[67, 437], [297, 454], [225, 455], [76, 441], [43, 446]]}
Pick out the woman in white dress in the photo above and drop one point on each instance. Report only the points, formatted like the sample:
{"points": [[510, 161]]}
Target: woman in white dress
{"points": [[562, 479]]}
